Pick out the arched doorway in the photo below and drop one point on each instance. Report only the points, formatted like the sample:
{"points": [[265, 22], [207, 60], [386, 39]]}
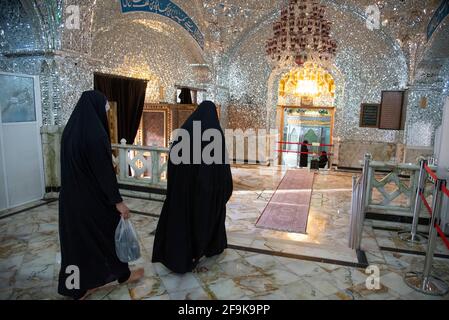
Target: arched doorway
{"points": [[306, 107]]}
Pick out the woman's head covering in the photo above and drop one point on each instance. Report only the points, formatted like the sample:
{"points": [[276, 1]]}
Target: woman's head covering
{"points": [[207, 114], [89, 114]]}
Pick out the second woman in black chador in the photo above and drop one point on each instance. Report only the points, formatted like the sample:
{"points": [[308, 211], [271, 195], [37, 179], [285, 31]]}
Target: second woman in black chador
{"points": [[192, 221]]}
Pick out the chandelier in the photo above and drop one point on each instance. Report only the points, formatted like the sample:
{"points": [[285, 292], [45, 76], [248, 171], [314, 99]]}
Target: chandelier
{"points": [[302, 34]]}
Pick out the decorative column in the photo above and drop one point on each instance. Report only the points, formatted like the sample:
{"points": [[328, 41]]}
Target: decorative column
{"points": [[51, 149]]}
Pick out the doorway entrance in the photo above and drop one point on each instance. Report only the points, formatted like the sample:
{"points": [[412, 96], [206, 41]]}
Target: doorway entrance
{"points": [[305, 112], [314, 124]]}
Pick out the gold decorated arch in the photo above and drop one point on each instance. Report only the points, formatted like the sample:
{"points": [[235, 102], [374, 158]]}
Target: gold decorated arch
{"points": [[311, 82]]}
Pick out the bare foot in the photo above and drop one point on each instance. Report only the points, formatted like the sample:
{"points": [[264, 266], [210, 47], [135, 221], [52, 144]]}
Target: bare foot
{"points": [[136, 275], [88, 293]]}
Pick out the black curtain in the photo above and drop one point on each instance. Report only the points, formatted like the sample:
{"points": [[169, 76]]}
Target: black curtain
{"points": [[130, 97], [185, 96]]}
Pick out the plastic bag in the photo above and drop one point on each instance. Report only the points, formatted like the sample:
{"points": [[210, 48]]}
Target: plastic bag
{"points": [[126, 243]]}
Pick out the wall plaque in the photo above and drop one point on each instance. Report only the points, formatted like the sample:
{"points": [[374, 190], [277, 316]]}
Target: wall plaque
{"points": [[369, 115]]}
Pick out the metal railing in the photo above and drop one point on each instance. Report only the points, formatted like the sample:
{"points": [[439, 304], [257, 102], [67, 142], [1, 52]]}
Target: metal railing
{"points": [[395, 191], [394, 176], [140, 166], [413, 236], [425, 282], [358, 205]]}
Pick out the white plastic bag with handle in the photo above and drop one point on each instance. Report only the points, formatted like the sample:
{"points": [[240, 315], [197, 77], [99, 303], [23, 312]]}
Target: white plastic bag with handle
{"points": [[126, 242]]}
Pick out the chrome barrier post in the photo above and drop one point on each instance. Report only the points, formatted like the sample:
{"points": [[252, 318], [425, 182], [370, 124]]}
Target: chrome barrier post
{"points": [[298, 157], [123, 164], [424, 282], [414, 236], [355, 206], [363, 189]]}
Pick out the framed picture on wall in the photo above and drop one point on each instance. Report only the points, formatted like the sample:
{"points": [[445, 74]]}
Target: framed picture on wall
{"points": [[154, 128], [155, 125]]}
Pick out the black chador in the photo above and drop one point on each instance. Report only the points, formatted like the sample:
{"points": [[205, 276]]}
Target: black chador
{"points": [[192, 221], [304, 157], [89, 192]]}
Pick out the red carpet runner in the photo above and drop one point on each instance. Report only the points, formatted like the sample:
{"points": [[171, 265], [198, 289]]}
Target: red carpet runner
{"points": [[288, 208]]}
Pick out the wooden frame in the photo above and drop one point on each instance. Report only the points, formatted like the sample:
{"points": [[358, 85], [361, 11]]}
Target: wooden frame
{"points": [[174, 117], [164, 129], [177, 110], [112, 119], [167, 121]]}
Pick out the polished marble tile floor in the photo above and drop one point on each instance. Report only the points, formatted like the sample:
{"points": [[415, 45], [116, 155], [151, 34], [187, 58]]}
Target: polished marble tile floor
{"points": [[260, 264]]}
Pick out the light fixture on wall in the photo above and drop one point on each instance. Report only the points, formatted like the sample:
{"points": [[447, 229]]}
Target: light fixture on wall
{"points": [[301, 34], [308, 88]]}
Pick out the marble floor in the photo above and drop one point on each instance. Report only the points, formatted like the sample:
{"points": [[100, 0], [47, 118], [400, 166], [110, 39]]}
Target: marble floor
{"points": [[260, 263]]}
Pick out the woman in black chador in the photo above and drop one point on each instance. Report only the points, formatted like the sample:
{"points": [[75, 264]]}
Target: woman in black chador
{"points": [[304, 157], [192, 221], [90, 204]]}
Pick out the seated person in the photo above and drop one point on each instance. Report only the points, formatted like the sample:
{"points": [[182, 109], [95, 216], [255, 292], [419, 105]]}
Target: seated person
{"points": [[323, 160]]}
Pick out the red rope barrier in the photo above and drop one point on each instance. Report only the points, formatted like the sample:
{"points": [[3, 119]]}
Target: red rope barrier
{"points": [[305, 144], [445, 191], [442, 235], [312, 153], [437, 227], [430, 172], [429, 209], [424, 200], [297, 143]]}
